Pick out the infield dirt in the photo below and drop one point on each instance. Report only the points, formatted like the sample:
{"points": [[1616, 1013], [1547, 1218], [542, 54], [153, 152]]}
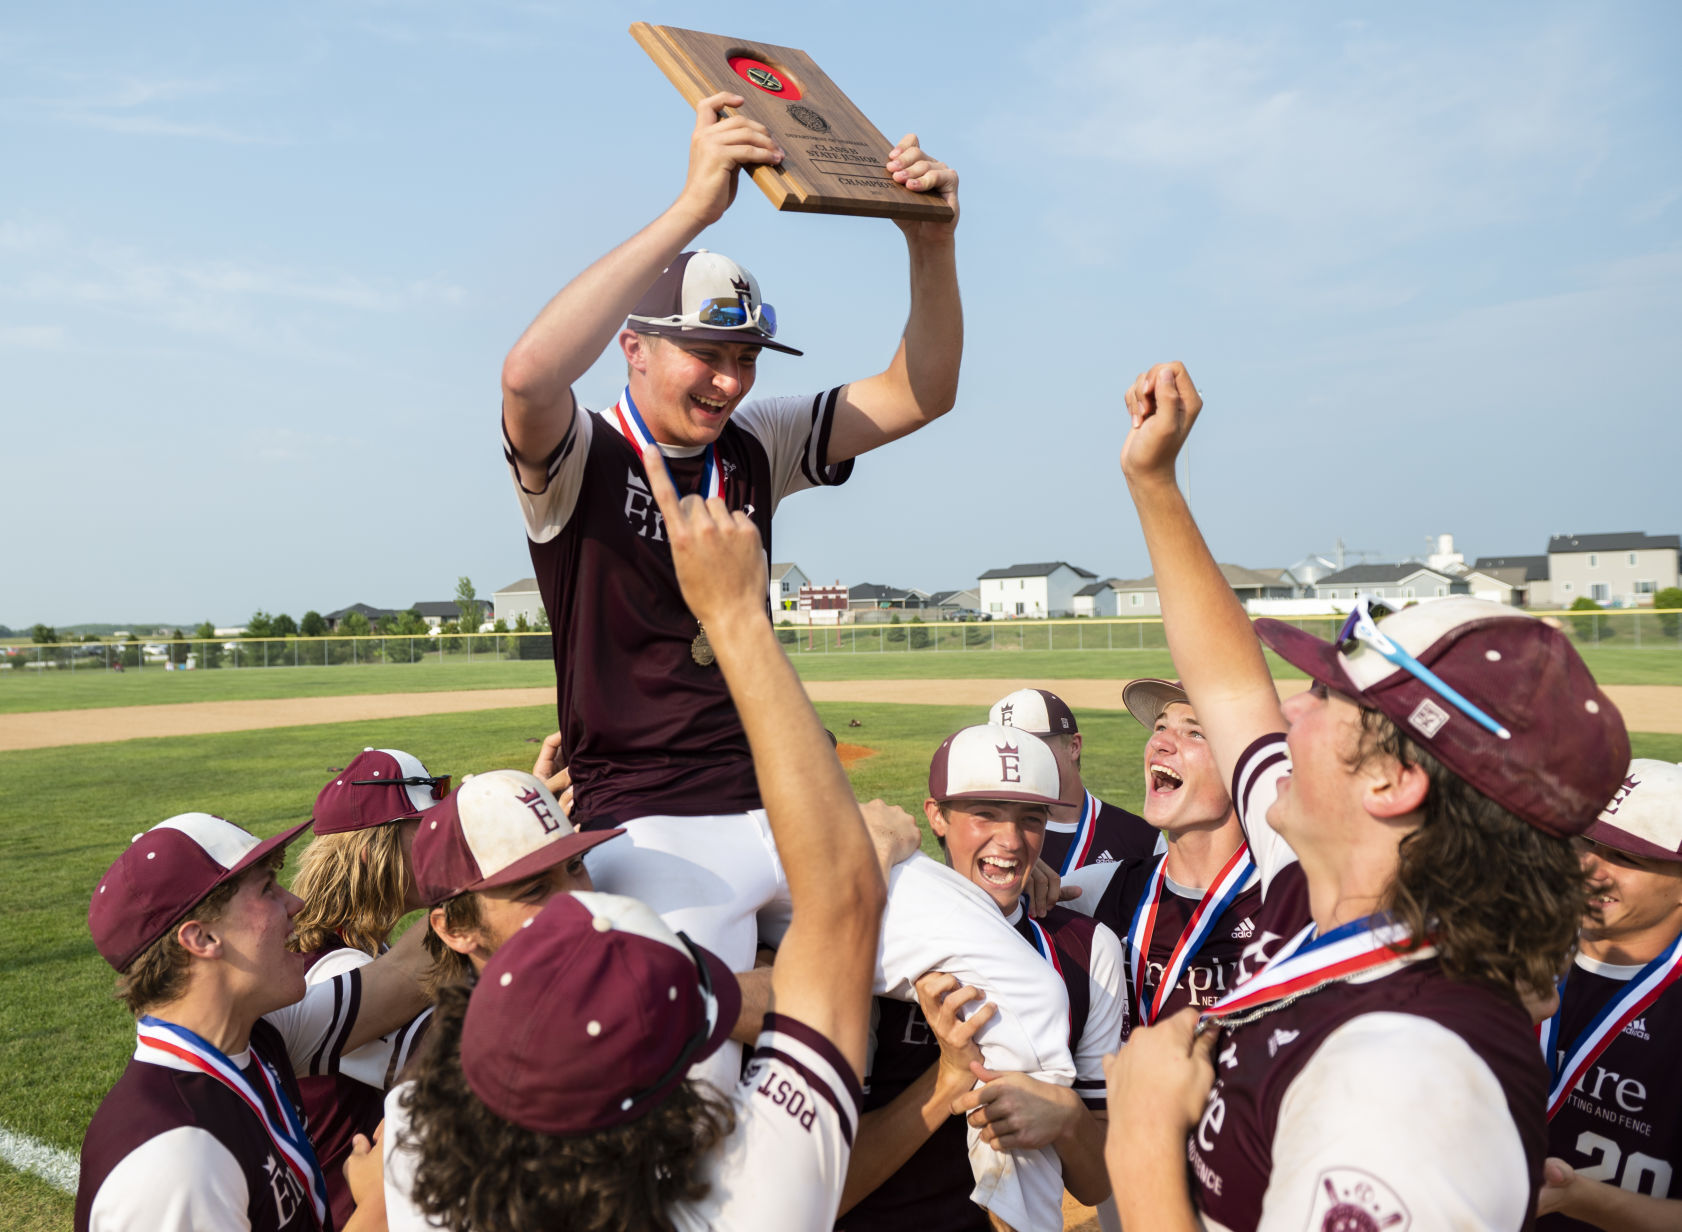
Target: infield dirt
{"points": [[1646, 708]]}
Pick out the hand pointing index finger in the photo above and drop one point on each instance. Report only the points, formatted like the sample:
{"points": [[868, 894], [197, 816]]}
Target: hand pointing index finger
{"points": [[660, 483]]}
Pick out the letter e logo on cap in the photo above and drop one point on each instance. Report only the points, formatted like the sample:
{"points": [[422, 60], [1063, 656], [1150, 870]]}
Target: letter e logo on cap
{"points": [[534, 801], [1010, 763]]}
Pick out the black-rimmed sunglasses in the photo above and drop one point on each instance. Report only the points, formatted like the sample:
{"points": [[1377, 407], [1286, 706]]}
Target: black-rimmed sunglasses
{"points": [[440, 785]]}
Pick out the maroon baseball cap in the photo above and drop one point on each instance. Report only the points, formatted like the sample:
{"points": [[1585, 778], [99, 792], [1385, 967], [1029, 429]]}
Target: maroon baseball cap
{"points": [[495, 829], [160, 878], [379, 786], [1147, 698], [1567, 749], [591, 1015], [994, 762], [1034, 710], [1645, 816], [671, 306]]}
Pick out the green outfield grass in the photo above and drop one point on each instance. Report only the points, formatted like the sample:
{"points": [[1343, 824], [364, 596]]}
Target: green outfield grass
{"points": [[68, 811], [28, 691]]}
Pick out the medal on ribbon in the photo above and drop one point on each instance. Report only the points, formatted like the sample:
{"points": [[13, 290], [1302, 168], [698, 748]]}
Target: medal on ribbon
{"points": [[1237, 875], [1307, 963], [1566, 1068], [277, 1116]]}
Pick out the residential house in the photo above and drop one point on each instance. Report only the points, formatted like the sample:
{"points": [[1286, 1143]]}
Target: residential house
{"points": [[1041, 589], [867, 596], [1098, 599], [436, 613], [1137, 596], [1625, 569], [946, 602], [1406, 582], [785, 584], [518, 599], [373, 614], [1519, 580]]}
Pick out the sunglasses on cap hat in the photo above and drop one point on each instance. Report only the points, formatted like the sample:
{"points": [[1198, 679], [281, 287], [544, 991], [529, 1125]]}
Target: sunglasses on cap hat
{"points": [[721, 313], [439, 784], [1361, 629], [703, 1032]]}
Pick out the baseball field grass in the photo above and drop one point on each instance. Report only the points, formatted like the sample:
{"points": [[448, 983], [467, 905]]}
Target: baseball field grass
{"points": [[24, 691], [68, 811]]}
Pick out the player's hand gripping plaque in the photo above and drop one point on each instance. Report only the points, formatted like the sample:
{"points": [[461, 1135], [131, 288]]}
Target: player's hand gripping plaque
{"points": [[832, 156]]}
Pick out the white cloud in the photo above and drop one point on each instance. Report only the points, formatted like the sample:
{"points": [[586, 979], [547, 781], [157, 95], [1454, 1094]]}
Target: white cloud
{"points": [[1355, 136]]}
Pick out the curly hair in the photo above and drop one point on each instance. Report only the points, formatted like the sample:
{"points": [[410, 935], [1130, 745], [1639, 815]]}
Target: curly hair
{"points": [[476, 1170], [353, 886], [159, 974], [1501, 900]]}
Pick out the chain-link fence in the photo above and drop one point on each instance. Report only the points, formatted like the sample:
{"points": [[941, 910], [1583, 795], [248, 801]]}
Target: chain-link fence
{"points": [[1637, 628]]}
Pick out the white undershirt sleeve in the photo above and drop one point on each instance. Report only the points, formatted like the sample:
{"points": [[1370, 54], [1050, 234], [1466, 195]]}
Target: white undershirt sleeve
{"points": [[1105, 1017], [547, 510], [1421, 1143], [184, 1180], [315, 1027], [794, 432], [1255, 786]]}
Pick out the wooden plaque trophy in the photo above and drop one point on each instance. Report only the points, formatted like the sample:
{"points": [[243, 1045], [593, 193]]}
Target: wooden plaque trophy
{"points": [[832, 156]]}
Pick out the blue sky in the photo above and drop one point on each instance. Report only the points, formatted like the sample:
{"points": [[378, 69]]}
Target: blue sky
{"points": [[259, 266]]}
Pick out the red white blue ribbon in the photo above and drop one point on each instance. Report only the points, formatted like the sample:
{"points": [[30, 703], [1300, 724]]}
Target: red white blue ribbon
{"points": [[1042, 943], [1306, 961], [290, 1139], [1237, 875], [1567, 1067], [630, 424], [1086, 830]]}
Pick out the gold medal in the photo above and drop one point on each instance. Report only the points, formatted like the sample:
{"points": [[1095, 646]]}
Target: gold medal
{"points": [[701, 650]]}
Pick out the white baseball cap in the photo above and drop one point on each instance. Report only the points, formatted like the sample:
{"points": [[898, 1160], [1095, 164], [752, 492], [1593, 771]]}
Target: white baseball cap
{"points": [[994, 762], [1645, 817], [1034, 710], [495, 829]]}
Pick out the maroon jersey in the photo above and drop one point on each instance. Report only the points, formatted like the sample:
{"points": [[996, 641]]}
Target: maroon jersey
{"points": [[1231, 1150], [1239, 944], [1111, 833], [1622, 1122], [930, 1192], [152, 1100], [337, 1107], [645, 728]]}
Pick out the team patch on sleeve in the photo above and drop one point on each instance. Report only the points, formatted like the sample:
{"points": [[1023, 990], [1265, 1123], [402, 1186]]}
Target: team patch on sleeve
{"points": [[1350, 1200]]}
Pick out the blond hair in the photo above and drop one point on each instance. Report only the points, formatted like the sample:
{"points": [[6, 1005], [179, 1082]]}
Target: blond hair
{"points": [[353, 886]]}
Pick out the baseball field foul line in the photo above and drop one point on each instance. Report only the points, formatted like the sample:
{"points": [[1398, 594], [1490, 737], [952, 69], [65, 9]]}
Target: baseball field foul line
{"points": [[58, 1168]]}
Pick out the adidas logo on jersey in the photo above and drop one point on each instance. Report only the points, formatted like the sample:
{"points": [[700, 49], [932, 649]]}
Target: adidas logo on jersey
{"points": [[1279, 1039], [1245, 930], [1638, 1028], [1103, 857]]}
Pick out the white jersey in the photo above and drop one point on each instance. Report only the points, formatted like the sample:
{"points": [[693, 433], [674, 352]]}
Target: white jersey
{"points": [[797, 1109]]}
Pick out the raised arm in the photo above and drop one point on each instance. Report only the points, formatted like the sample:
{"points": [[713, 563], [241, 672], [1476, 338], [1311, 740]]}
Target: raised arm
{"points": [[1215, 651], [827, 959], [574, 327], [920, 384]]}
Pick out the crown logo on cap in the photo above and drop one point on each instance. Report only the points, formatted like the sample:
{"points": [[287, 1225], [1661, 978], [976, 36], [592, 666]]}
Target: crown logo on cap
{"points": [[1005, 712], [1010, 763]]}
